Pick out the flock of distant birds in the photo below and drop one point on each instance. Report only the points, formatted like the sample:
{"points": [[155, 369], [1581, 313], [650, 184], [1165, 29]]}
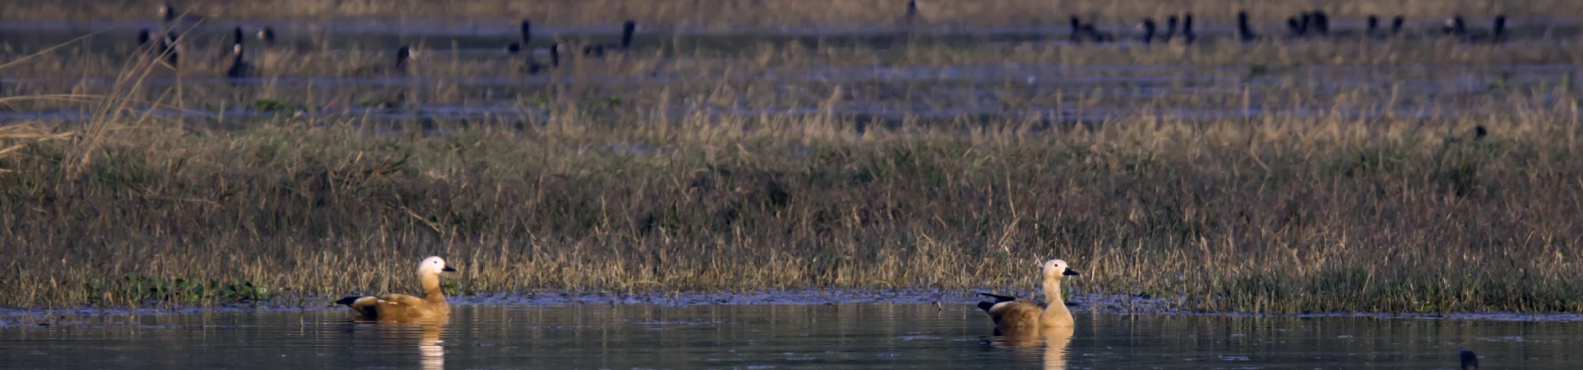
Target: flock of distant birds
{"points": [[1308, 24], [164, 45], [1311, 24]]}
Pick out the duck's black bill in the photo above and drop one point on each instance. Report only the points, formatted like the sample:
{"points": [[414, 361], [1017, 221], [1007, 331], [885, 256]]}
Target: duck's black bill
{"points": [[1070, 272], [448, 269]]}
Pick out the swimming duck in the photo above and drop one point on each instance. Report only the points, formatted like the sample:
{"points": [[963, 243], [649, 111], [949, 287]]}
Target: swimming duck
{"points": [[1023, 318], [402, 307]]}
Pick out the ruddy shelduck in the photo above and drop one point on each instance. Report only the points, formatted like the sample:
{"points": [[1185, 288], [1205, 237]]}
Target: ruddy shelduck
{"points": [[1022, 318], [402, 307]]}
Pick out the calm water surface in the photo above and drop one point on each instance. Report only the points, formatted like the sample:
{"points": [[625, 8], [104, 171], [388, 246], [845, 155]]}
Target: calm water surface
{"points": [[773, 337]]}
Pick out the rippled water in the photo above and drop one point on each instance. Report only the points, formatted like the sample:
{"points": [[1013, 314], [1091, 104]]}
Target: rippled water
{"points": [[772, 337]]}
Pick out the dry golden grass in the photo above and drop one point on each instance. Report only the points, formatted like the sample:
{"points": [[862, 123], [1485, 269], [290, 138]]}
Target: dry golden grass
{"points": [[1276, 215]]}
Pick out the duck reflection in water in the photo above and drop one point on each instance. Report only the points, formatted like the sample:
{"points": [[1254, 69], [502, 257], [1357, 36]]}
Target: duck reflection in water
{"points": [[431, 349], [1054, 342]]}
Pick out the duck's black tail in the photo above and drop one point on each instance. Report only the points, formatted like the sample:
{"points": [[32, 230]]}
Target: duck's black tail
{"points": [[348, 300], [998, 299]]}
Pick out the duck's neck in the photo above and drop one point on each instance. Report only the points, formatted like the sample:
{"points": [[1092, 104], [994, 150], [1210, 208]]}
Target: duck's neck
{"points": [[431, 288], [1055, 311]]}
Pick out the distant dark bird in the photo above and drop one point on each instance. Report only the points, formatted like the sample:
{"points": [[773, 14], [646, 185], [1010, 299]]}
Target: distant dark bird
{"points": [[173, 20], [912, 10], [143, 39], [236, 36], [1396, 24], [1479, 132], [1319, 23], [1147, 27], [404, 59], [526, 37], [1187, 29], [239, 68], [266, 36], [156, 49], [1498, 31], [167, 13], [1373, 27], [169, 49], [628, 31], [1455, 26], [1297, 27], [1076, 33], [1170, 28], [1244, 29], [534, 67], [1470, 360]]}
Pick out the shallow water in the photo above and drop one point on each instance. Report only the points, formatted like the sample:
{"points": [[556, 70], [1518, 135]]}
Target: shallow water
{"points": [[772, 337]]}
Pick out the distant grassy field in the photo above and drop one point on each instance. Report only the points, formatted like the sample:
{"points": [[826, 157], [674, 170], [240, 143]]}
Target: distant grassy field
{"points": [[777, 13], [1272, 216]]}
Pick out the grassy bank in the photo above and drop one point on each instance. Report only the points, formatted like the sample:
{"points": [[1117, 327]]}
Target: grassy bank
{"points": [[1279, 215]]}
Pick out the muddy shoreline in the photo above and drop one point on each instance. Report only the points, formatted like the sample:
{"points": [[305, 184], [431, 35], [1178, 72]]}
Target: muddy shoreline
{"points": [[1082, 303]]}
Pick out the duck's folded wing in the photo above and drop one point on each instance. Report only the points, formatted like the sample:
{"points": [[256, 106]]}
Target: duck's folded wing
{"points": [[400, 300]]}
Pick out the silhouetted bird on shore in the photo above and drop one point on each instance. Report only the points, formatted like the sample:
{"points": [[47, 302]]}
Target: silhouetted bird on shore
{"points": [[174, 21], [1319, 23], [266, 36], [525, 38], [143, 39], [1244, 28], [628, 31], [168, 48], [1498, 31], [1470, 360], [1396, 25], [1075, 34], [533, 65], [239, 68], [1188, 36], [1297, 27], [1148, 29], [1170, 28], [404, 59], [1455, 26]]}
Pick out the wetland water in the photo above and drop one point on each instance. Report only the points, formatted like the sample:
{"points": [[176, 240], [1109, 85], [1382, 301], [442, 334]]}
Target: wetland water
{"points": [[602, 336]]}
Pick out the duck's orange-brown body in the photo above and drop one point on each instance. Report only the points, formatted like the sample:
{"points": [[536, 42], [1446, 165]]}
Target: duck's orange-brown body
{"points": [[1020, 318], [406, 308]]}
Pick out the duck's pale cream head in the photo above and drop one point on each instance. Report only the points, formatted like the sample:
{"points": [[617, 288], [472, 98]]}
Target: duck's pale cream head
{"points": [[1057, 269], [433, 265]]}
